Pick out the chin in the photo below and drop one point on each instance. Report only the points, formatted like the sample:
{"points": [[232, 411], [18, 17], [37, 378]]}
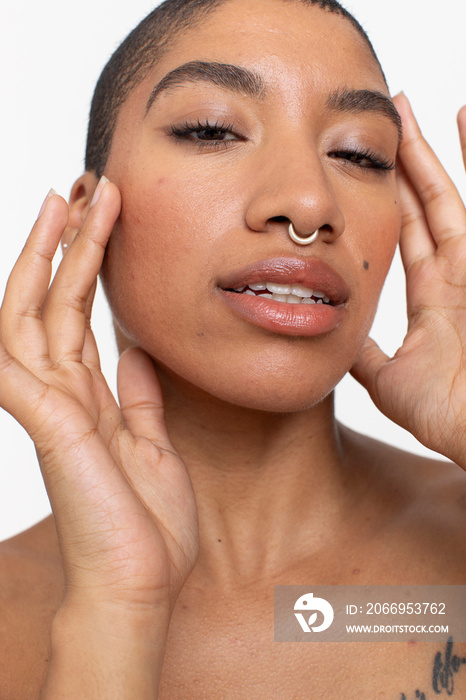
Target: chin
{"points": [[276, 402], [283, 389], [277, 397]]}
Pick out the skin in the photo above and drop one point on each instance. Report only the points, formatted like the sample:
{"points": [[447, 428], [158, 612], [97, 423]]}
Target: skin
{"points": [[203, 458]]}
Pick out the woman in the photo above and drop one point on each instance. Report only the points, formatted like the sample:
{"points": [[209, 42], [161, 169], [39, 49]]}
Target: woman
{"points": [[245, 157]]}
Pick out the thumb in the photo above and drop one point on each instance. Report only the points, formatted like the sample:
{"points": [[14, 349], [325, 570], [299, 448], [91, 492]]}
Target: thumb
{"points": [[368, 365], [141, 398]]}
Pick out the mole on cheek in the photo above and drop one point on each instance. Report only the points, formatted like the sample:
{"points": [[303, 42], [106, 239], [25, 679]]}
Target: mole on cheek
{"points": [[365, 265]]}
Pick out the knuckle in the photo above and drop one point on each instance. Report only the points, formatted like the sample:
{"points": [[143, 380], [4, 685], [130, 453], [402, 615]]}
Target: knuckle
{"points": [[74, 302], [433, 191], [7, 361], [93, 236], [408, 218]]}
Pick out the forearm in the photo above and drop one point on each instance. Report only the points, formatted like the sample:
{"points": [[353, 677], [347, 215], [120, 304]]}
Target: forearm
{"points": [[105, 655]]}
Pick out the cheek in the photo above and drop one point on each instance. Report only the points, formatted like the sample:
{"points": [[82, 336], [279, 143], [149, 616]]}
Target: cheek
{"points": [[379, 245], [170, 225], [374, 251], [161, 262], [145, 267]]}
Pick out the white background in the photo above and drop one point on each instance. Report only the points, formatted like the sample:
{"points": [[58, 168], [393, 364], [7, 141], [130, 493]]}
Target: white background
{"points": [[51, 55]]}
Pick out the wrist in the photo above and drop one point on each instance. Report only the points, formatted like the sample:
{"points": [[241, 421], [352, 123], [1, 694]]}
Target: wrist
{"points": [[105, 651], [103, 618]]}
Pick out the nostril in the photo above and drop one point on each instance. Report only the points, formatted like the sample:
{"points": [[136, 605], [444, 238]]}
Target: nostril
{"points": [[280, 219], [326, 232]]}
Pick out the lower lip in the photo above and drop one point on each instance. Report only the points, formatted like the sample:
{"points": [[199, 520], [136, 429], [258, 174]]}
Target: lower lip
{"points": [[287, 319]]}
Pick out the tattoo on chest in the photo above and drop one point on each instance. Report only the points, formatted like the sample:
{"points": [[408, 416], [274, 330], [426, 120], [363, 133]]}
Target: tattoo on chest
{"points": [[445, 668]]}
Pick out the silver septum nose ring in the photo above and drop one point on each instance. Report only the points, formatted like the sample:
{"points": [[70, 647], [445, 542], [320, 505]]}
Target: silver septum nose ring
{"points": [[302, 240]]}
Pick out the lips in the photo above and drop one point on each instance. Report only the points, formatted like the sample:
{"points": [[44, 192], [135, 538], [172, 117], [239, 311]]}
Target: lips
{"points": [[288, 319], [311, 273]]}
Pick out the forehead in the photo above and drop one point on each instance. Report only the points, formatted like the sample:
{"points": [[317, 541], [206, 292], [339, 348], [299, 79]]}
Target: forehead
{"points": [[291, 37]]}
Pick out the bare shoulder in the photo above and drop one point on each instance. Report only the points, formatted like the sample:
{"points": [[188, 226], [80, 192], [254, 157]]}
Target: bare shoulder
{"points": [[424, 502], [31, 588]]}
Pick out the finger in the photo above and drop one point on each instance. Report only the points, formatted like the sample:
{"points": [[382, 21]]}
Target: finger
{"points": [[90, 353], [67, 309], [416, 242], [462, 131], [20, 390], [367, 367], [444, 209], [21, 326], [141, 397]]}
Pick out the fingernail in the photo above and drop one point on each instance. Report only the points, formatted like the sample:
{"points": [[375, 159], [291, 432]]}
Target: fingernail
{"points": [[51, 192], [98, 190]]}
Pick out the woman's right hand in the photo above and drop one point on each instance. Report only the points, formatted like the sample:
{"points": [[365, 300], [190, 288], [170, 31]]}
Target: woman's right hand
{"points": [[122, 498]]}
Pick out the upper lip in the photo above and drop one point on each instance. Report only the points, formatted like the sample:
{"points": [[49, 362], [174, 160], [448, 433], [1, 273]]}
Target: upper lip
{"points": [[312, 273]]}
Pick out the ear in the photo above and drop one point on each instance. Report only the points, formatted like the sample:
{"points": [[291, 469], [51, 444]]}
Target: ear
{"points": [[80, 202]]}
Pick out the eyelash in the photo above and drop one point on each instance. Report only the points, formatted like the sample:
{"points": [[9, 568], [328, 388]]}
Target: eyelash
{"points": [[377, 162], [184, 132]]}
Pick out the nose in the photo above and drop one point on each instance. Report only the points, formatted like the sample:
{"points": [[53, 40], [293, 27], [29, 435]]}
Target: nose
{"points": [[291, 185]]}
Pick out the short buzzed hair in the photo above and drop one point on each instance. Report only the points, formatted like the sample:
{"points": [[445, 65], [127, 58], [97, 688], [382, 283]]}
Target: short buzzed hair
{"points": [[141, 50]]}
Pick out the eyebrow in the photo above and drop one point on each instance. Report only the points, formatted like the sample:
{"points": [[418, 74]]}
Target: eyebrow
{"points": [[246, 82], [240, 80], [357, 101]]}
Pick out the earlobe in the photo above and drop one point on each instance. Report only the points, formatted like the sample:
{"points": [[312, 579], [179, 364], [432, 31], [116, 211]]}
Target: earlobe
{"points": [[80, 201]]}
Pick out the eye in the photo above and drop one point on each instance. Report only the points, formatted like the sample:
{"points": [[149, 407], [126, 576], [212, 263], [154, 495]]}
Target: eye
{"points": [[366, 159], [205, 133]]}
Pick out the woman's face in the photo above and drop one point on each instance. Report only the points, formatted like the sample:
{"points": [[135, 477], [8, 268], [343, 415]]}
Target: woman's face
{"points": [[212, 174]]}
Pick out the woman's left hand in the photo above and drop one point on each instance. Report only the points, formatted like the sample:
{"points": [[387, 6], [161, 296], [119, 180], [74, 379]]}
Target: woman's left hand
{"points": [[423, 387]]}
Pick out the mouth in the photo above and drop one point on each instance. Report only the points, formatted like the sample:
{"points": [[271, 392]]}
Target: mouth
{"points": [[291, 296], [284, 293]]}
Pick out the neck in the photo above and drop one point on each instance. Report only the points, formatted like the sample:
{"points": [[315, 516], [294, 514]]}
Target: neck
{"points": [[279, 481]]}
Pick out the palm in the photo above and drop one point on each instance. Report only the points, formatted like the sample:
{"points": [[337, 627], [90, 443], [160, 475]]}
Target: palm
{"points": [[125, 474], [423, 385]]}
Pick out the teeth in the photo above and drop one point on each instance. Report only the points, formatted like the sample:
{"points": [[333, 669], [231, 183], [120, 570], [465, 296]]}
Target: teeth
{"points": [[300, 291], [286, 293], [290, 299], [278, 288]]}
